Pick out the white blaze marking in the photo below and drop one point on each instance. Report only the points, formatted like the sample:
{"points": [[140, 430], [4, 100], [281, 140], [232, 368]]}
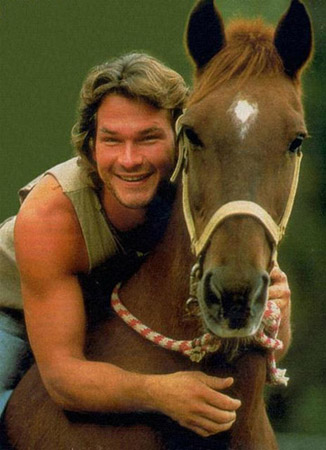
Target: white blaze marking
{"points": [[244, 114]]}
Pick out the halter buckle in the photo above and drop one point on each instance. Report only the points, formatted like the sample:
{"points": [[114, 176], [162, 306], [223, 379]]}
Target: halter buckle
{"points": [[196, 273]]}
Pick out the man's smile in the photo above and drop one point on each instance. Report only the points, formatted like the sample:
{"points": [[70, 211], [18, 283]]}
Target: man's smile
{"points": [[133, 178]]}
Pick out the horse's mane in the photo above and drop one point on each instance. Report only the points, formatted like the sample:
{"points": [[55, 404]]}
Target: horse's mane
{"points": [[249, 52]]}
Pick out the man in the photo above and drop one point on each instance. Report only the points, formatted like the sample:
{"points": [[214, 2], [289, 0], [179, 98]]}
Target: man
{"points": [[77, 216]]}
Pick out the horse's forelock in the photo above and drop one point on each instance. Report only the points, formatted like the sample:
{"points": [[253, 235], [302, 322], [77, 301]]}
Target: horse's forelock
{"points": [[249, 52]]}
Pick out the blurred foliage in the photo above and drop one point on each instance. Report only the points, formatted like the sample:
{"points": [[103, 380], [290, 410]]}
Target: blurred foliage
{"points": [[46, 49]]}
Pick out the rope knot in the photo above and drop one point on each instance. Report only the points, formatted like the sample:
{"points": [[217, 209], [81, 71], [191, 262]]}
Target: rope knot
{"points": [[201, 346], [266, 336]]}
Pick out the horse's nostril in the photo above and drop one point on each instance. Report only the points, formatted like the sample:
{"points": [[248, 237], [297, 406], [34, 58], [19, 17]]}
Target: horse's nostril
{"points": [[212, 296]]}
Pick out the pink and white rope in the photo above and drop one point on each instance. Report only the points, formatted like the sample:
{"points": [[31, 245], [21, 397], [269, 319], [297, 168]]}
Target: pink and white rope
{"points": [[197, 348], [266, 336]]}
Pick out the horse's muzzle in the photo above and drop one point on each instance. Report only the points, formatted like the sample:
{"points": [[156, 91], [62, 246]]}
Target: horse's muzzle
{"points": [[232, 303]]}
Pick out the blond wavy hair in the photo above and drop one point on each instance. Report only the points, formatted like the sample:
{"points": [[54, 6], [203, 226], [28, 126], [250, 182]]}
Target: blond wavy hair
{"points": [[135, 75]]}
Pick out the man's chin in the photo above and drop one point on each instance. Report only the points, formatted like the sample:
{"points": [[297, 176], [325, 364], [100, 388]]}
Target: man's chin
{"points": [[134, 203], [133, 198]]}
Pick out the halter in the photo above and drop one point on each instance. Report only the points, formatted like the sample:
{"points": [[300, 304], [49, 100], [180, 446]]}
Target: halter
{"points": [[234, 208]]}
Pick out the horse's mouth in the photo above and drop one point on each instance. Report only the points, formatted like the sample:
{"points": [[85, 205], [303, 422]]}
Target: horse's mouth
{"points": [[225, 328]]}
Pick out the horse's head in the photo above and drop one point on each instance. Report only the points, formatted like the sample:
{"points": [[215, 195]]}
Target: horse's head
{"points": [[243, 129]]}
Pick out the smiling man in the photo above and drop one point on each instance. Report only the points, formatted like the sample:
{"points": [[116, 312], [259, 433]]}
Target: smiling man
{"points": [[134, 152], [79, 215]]}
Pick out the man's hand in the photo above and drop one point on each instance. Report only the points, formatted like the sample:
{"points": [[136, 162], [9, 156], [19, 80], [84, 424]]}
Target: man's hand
{"points": [[279, 291], [193, 400]]}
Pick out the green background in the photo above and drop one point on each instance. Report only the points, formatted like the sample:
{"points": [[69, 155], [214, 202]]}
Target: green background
{"points": [[46, 49]]}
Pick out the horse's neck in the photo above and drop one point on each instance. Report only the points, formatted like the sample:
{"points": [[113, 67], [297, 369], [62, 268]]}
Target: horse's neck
{"points": [[157, 293]]}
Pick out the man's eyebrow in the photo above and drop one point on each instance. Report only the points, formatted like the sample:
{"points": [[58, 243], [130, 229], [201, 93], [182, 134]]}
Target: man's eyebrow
{"points": [[151, 130], [107, 131], [144, 132]]}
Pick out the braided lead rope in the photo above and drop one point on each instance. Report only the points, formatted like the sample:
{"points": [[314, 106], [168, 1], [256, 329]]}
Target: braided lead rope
{"points": [[266, 336], [197, 348]]}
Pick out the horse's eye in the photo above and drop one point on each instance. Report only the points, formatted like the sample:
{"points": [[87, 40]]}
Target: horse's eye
{"points": [[296, 143], [193, 137]]}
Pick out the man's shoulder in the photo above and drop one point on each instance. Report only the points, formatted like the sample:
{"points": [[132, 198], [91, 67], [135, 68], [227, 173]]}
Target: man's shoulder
{"points": [[47, 219], [45, 200]]}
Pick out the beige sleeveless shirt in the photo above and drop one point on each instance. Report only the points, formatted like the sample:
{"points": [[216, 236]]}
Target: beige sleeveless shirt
{"points": [[99, 240]]}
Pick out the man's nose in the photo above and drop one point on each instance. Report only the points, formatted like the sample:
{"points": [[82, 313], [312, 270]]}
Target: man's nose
{"points": [[130, 156]]}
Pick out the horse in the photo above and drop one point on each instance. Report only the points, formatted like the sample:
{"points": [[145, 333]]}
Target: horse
{"points": [[239, 150]]}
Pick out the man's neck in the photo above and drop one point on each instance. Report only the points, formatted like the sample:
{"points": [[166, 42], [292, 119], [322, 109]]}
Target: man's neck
{"points": [[121, 217]]}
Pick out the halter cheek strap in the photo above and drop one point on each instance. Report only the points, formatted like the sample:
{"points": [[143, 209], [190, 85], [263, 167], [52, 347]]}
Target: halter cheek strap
{"points": [[234, 208]]}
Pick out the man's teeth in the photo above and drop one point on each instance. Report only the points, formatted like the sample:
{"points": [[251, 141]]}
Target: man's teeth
{"points": [[139, 178]]}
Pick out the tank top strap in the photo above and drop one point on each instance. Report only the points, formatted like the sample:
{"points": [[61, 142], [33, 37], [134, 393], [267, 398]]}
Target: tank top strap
{"points": [[71, 175], [99, 239]]}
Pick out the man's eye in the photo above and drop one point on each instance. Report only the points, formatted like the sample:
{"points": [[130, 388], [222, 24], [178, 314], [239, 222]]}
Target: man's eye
{"points": [[110, 140], [149, 138]]}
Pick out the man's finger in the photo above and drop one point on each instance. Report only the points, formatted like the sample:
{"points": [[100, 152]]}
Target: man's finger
{"points": [[207, 428], [277, 275], [217, 383]]}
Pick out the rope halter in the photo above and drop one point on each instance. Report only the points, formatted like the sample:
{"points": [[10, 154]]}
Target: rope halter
{"points": [[233, 208]]}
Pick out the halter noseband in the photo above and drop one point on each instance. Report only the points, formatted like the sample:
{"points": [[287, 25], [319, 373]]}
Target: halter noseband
{"points": [[234, 208]]}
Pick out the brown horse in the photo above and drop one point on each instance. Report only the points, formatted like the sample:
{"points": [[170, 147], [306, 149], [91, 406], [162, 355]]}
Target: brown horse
{"points": [[240, 138]]}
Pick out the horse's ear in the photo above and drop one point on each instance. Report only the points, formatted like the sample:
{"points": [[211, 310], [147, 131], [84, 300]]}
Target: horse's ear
{"points": [[294, 38], [205, 32]]}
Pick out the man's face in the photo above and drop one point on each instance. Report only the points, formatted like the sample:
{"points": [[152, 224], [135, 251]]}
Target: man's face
{"points": [[134, 150]]}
